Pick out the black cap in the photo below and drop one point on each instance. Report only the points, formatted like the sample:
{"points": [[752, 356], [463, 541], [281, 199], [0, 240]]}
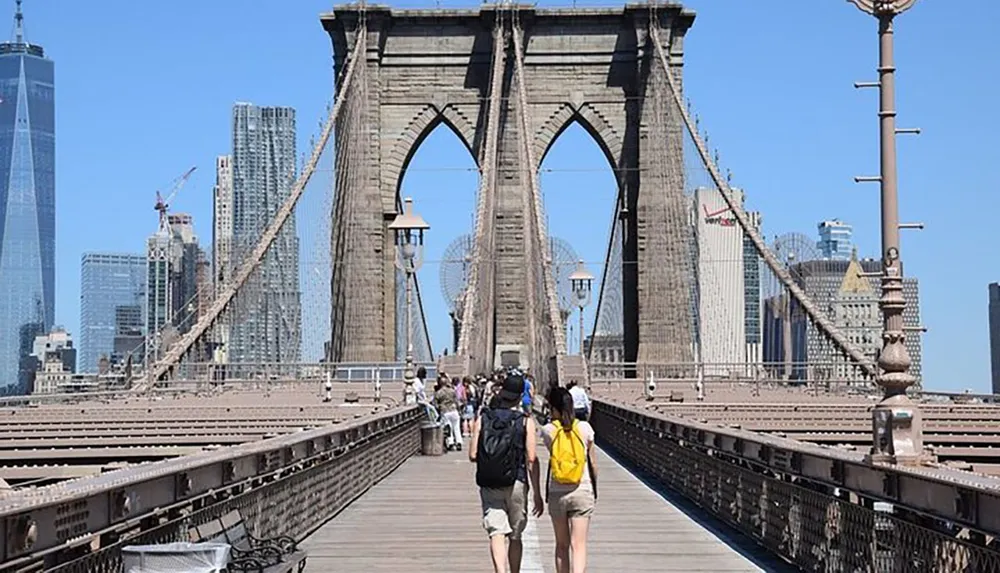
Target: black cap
{"points": [[513, 387]]}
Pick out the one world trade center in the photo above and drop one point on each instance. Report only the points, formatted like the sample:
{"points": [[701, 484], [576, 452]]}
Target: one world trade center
{"points": [[27, 204]]}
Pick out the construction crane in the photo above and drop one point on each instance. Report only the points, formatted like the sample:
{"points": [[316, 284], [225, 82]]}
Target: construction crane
{"points": [[163, 204]]}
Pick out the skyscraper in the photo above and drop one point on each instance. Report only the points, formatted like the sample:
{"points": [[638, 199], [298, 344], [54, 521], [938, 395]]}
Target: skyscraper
{"points": [[848, 291], [835, 240], [752, 295], [108, 281], [129, 340], [222, 221], [27, 200], [222, 244], [721, 284], [51, 362], [172, 256], [994, 312], [267, 315]]}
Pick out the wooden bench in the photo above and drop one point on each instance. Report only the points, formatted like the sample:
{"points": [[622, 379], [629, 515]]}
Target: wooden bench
{"points": [[251, 554]]}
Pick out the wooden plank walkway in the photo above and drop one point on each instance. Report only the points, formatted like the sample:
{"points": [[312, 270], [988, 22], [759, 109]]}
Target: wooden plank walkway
{"points": [[426, 517]]}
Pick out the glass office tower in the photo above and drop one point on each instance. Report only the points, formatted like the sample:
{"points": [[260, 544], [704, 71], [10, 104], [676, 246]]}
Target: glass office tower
{"points": [[835, 240], [27, 202], [108, 283]]}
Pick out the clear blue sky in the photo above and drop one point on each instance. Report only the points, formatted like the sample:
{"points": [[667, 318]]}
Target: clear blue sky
{"points": [[144, 91]]}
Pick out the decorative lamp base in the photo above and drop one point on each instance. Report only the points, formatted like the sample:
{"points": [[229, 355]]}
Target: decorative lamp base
{"points": [[897, 430]]}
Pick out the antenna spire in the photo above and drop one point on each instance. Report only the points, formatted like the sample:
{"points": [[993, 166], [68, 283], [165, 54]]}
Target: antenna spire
{"points": [[18, 24]]}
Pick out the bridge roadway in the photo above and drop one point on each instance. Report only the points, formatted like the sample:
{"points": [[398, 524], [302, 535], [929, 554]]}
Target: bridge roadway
{"points": [[426, 516], [784, 467]]}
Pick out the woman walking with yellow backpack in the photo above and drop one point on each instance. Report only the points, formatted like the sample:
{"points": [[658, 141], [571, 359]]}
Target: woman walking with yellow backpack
{"points": [[571, 485]]}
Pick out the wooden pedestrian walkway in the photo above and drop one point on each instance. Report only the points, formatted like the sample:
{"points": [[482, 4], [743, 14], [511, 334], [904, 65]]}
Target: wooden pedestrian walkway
{"points": [[425, 517]]}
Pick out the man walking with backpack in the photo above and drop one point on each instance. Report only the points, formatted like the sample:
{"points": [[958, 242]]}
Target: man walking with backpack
{"points": [[503, 449]]}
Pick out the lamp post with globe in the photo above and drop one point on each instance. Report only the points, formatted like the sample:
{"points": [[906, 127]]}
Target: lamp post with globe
{"points": [[581, 282], [896, 425], [409, 234]]}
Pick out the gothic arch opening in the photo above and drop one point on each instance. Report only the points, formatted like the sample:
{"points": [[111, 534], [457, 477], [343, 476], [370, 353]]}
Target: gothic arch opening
{"points": [[579, 184], [441, 176]]}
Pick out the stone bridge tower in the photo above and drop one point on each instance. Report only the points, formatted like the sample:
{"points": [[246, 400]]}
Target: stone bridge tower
{"points": [[592, 66]]}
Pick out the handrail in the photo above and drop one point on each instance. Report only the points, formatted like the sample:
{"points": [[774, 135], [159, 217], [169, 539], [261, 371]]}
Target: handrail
{"points": [[38, 520], [933, 490]]}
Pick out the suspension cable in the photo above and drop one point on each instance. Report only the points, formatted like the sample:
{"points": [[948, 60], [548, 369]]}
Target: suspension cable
{"points": [[535, 200], [173, 356], [815, 314], [484, 225]]}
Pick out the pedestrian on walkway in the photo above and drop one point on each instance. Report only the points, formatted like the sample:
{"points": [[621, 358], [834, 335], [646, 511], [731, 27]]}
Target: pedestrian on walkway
{"points": [[470, 406], [503, 449], [528, 396], [447, 403], [581, 401], [571, 484], [419, 385]]}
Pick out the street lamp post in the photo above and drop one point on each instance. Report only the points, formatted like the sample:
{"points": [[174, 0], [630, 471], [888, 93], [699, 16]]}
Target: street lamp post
{"points": [[409, 234], [581, 281], [896, 425]]}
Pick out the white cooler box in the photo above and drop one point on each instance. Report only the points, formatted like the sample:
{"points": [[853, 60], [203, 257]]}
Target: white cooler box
{"points": [[176, 558]]}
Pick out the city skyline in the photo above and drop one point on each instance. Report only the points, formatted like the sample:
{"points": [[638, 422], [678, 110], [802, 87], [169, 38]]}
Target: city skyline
{"points": [[836, 150], [759, 375]]}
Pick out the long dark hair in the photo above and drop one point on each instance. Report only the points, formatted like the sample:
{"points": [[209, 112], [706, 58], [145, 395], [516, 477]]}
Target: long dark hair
{"points": [[561, 403]]}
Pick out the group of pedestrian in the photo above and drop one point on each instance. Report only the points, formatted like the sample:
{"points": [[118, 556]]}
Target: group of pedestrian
{"points": [[457, 403], [504, 449]]}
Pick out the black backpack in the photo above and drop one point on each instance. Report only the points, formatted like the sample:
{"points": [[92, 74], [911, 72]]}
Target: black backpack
{"points": [[500, 452]]}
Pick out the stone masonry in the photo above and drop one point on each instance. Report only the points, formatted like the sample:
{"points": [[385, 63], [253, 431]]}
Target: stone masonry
{"points": [[591, 66]]}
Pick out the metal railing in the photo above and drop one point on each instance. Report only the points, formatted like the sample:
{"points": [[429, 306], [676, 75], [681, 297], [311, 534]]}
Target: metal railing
{"points": [[288, 485], [793, 372], [197, 376], [277, 371], [823, 509]]}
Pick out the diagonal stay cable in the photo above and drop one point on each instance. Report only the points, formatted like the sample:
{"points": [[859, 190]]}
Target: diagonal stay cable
{"points": [[173, 356], [548, 278], [484, 220], [815, 314]]}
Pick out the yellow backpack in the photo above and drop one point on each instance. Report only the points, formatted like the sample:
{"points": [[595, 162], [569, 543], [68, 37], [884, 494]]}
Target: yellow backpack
{"points": [[569, 455]]}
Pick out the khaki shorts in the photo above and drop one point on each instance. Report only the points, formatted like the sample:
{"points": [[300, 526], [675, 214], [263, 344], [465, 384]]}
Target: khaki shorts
{"points": [[575, 503], [505, 510]]}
